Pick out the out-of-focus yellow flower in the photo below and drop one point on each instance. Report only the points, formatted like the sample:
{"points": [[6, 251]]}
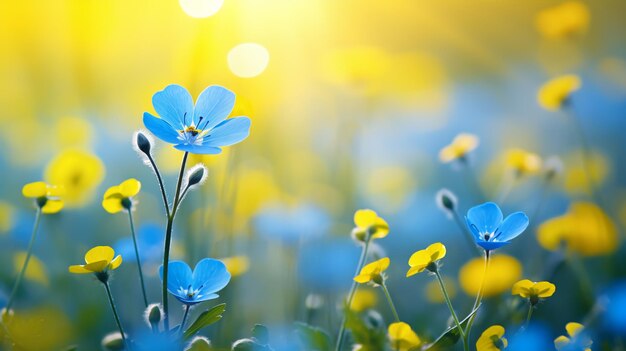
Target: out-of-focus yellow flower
{"points": [[402, 337], [556, 92], [73, 132], [523, 162], [100, 259], [580, 176], [563, 20], [46, 196], [369, 225], [461, 145], [492, 339], [503, 272], [43, 328], [433, 290], [573, 331], [119, 197], [78, 172], [533, 290], [373, 272], [363, 68], [236, 265], [584, 229], [363, 299], [35, 270], [7, 214], [390, 187], [426, 259]]}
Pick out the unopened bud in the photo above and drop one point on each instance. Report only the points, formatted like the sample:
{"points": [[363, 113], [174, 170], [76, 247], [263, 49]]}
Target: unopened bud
{"points": [[553, 167], [113, 342], [199, 343], [153, 315], [143, 143], [196, 175], [314, 301], [446, 201]]}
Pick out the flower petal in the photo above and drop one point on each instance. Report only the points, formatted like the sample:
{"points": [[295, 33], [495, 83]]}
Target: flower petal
{"points": [[513, 225], [178, 275], [113, 204], [365, 218], [99, 253], [174, 105], [130, 187], [436, 251], [486, 217], [414, 270], [160, 128], [199, 149], [52, 206], [545, 289], [98, 266], [491, 245], [34, 190], [78, 269], [229, 132], [117, 261], [214, 104], [521, 288], [210, 276]]}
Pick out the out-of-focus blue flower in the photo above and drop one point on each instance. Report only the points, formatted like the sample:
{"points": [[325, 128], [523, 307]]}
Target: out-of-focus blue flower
{"points": [[328, 265], [199, 129], [490, 231], [148, 341], [149, 243], [533, 337], [290, 225], [614, 315], [209, 277]]}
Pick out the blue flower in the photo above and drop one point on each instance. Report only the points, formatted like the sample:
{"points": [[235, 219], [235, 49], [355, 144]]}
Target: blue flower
{"points": [[209, 277], [490, 231], [199, 129], [149, 243]]}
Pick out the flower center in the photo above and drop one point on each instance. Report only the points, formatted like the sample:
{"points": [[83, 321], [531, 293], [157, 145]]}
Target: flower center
{"points": [[189, 292], [191, 135]]}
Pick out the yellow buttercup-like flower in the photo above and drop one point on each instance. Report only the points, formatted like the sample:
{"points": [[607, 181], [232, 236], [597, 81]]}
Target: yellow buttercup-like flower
{"points": [[584, 229], [426, 259], [492, 339], [556, 92], [461, 145], [236, 265], [100, 259], [369, 225], [46, 196], [563, 20], [533, 290], [523, 162], [78, 172], [573, 331], [503, 272], [373, 272], [402, 337], [119, 197], [363, 299]]}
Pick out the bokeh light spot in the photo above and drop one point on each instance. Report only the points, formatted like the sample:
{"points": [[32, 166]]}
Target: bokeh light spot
{"points": [[201, 8], [248, 60]]}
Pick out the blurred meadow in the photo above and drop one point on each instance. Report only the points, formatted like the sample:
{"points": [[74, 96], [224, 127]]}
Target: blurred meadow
{"points": [[352, 105]]}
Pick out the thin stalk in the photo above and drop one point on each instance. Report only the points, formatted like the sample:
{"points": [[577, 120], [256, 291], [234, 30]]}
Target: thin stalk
{"points": [[469, 238], [479, 297], [342, 328], [449, 303], [132, 232], [161, 186], [29, 253], [182, 324], [391, 305], [117, 318], [530, 313], [168, 242]]}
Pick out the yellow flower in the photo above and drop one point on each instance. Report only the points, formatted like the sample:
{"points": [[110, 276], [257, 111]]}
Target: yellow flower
{"points": [[426, 259], [492, 339], [461, 145], [582, 177], [369, 224], [363, 299], [373, 272], [119, 197], [41, 328], [523, 162], [7, 214], [78, 172], [573, 331], [402, 337], [47, 196], [73, 132], [564, 20], [584, 229], [35, 270], [100, 259], [556, 92], [533, 290], [433, 290], [503, 272], [236, 265]]}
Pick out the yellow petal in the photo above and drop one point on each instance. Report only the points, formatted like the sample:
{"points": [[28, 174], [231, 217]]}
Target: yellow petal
{"points": [[99, 253], [55, 191], [414, 270], [382, 228], [448, 153], [522, 287], [419, 258], [545, 289], [79, 269], [362, 278], [98, 266], [34, 190], [573, 328], [383, 263], [555, 92], [436, 251], [52, 206], [113, 204], [365, 218], [465, 142], [561, 342], [130, 187], [113, 191], [485, 341], [117, 261]]}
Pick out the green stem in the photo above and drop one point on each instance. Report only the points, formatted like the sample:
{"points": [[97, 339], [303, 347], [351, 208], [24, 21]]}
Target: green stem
{"points": [[342, 328], [161, 186], [530, 313], [132, 232], [29, 253], [182, 324], [117, 318], [168, 243], [391, 305], [449, 303], [479, 297]]}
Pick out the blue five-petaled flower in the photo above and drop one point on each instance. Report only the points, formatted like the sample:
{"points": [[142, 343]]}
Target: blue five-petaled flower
{"points": [[199, 129], [209, 277], [489, 230]]}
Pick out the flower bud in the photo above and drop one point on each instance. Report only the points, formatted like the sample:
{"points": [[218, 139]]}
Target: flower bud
{"points": [[143, 143], [113, 342], [245, 345], [314, 301], [153, 315], [553, 167], [196, 175], [446, 201], [199, 343]]}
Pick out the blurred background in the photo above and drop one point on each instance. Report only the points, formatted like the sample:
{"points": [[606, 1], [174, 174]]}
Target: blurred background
{"points": [[351, 103]]}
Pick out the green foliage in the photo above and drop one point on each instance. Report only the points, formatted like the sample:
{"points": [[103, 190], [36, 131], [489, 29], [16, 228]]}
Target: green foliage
{"points": [[450, 336], [205, 319], [312, 338]]}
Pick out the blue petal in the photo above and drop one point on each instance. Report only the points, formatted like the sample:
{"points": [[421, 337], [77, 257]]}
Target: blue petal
{"points": [[199, 149], [229, 132], [179, 275], [214, 104], [160, 128], [513, 225], [473, 229], [491, 245], [174, 105], [486, 217], [210, 276]]}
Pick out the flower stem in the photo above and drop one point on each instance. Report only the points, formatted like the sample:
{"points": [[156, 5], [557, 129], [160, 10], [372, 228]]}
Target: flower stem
{"points": [[29, 253], [449, 303], [530, 313], [342, 328], [471, 244], [161, 186], [168, 242], [182, 324], [393, 307], [117, 318], [132, 231], [479, 298]]}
